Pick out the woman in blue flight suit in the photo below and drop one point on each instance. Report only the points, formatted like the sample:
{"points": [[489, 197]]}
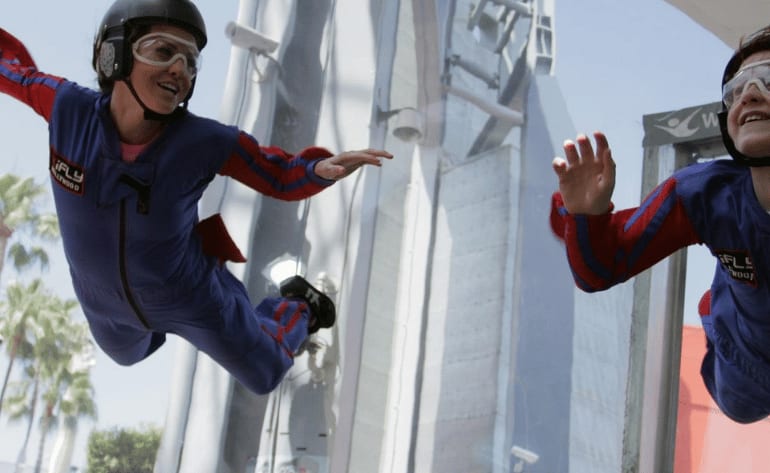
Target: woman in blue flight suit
{"points": [[128, 165]]}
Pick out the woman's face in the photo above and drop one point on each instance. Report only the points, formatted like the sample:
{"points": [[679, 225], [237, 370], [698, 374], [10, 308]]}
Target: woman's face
{"points": [[162, 87], [748, 118]]}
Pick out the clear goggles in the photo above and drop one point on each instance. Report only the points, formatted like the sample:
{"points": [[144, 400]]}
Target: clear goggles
{"points": [[757, 73], [164, 49]]}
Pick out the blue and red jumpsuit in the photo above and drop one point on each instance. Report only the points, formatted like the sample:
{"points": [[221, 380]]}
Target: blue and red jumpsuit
{"points": [[142, 265], [713, 204]]}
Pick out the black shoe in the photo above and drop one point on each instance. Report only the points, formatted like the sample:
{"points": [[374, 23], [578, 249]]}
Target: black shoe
{"points": [[322, 312]]}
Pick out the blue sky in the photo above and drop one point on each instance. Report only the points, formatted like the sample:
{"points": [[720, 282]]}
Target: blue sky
{"points": [[615, 61]]}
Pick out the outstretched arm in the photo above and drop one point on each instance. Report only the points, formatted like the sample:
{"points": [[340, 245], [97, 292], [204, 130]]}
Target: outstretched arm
{"points": [[274, 172], [604, 247], [586, 178], [20, 78]]}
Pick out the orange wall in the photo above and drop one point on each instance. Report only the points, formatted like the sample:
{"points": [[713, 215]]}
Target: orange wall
{"points": [[706, 440]]}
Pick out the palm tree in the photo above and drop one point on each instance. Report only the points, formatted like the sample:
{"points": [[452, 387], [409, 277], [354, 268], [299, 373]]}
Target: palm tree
{"points": [[78, 402], [54, 374], [22, 308], [22, 404], [31, 334], [62, 376], [20, 210]]}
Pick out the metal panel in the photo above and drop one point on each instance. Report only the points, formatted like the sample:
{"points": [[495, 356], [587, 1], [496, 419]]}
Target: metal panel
{"points": [[462, 353], [653, 385]]}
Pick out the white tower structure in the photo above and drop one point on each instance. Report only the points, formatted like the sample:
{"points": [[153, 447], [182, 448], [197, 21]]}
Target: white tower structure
{"points": [[453, 347]]}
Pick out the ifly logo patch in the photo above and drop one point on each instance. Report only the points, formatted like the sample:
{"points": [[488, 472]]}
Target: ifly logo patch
{"points": [[739, 265], [68, 175]]}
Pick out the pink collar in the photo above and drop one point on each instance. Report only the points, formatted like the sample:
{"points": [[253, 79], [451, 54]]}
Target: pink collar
{"points": [[130, 152]]}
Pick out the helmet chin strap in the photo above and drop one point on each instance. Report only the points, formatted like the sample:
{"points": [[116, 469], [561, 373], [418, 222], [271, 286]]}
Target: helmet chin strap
{"points": [[730, 145], [150, 114]]}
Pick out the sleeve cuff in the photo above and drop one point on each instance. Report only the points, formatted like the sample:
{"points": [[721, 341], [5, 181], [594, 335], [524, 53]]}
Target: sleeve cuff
{"points": [[314, 154]]}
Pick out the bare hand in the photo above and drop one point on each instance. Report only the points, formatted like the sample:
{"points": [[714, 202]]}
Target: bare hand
{"points": [[343, 164], [586, 179]]}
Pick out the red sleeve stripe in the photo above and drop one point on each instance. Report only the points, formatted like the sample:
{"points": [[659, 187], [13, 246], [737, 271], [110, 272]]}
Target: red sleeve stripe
{"points": [[590, 260], [279, 173], [648, 220], [25, 84], [272, 171], [611, 248]]}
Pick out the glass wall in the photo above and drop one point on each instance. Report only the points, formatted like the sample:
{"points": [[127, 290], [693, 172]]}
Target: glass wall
{"points": [[461, 344]]}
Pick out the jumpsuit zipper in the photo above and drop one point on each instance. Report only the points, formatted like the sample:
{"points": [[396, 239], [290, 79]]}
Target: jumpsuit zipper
{"points": [[122, 263]]}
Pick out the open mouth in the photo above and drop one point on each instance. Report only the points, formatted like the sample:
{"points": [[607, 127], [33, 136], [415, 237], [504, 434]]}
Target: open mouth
{"points": [[754, 117], [169, 87]]}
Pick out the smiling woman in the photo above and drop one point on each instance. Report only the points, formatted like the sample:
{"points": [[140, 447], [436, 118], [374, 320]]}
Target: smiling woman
{"points": [[143, 48], [120, 393], [131, 163], [161, 80]]}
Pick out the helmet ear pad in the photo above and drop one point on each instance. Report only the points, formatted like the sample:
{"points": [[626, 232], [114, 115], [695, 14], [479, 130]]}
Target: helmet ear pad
{"points": [[112, 59]]}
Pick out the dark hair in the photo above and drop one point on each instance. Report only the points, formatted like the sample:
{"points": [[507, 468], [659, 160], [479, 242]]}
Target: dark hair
{"points": [[750, 44]]}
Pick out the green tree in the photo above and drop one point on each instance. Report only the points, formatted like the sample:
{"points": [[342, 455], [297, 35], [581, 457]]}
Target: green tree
{"points": [[20, 209], [78, 403], [59, 342], [123, 450], [22, 403], [22, 309], [53, 372]]}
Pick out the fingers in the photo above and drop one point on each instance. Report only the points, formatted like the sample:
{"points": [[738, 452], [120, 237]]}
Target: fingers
{"points": [[343, 164], [372, 157], [559, 166], [582, 151], [601, 141], [578, 152], [570, 153], [603, 151], [368, 154], [586, 149], [377, 152]]}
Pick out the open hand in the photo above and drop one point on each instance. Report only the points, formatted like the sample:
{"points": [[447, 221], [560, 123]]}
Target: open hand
{"points": [[586, 179], [343, 164]]}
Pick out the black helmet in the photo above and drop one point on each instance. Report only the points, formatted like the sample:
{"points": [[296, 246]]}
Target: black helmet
{"points": [[755, 42], [112, 58]]}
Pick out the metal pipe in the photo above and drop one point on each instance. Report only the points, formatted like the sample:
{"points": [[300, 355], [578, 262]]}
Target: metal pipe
{"points": [[495, 109]]}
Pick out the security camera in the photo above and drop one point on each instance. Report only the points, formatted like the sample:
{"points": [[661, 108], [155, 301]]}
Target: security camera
{"points": [[524, 454], [409, 125], [249, 38]]}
